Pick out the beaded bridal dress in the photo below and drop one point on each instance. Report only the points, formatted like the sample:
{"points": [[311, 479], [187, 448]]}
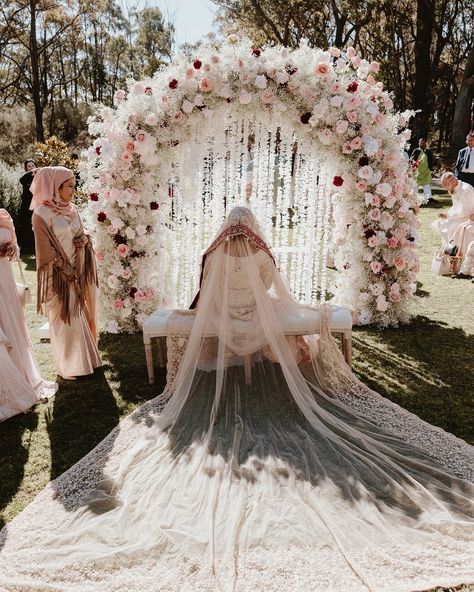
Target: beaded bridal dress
{"points": [[253, 471]]}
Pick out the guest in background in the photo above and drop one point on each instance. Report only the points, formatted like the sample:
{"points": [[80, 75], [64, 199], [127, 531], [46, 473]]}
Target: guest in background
{"points": [[21, 385], [457, 224], [422, 159], [75, 158], [464, 167], [67, 276], [26, 238]]}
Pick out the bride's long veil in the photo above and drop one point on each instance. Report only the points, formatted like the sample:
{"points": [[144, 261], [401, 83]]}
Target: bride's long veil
{"points": [[254, 460]]}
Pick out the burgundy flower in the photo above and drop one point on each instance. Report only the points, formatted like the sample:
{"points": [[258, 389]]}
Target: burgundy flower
{"points": [[132, 292], [148, 90], [97, 150], [257, 52], [94, 197], [369, 232], [290, 69], [364, 161], [197, 64], [101, 216], [170, 192], [154, 205], [338, 181], [120, 240], [352, 88], [173, 84], [305, 117]]}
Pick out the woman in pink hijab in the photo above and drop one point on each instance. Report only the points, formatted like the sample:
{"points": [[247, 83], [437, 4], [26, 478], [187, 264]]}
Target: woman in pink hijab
{"points": [[21, 385], [66, 271]]}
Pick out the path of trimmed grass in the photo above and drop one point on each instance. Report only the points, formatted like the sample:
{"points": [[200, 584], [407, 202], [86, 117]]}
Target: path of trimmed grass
{"points": [[426, 366]]}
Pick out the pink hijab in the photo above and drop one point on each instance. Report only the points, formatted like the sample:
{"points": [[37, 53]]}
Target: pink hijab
{"points": [[7, 222], [45, 187]]}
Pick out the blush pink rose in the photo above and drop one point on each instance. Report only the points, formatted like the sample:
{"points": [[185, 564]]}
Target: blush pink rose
{"points": [[399, 263], [382, 304], [356, 143], [267, 97], [126, 274], [374, 214], [346, 148], [140, 295], [141, 136], [215, 59], [100, 256], [190, 72], [205, 85], [123, 250], [336, 88], [365, 172], [322, 68], [395, 296], [376, 200], [118, 303], [392, 242], [376, 267], [130, 146], [112, 229], [373, 241], [335, 52], [126, 156], [352, 117], [361, 185], [374, 67]]}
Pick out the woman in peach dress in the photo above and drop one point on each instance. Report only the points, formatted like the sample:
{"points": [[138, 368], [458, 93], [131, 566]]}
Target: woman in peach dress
{"points": [[66, 273], [21, 385]]}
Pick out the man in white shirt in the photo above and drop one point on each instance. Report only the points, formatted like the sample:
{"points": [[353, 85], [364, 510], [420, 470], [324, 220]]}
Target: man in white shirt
{"points": [[464, 167], [457, 224]]}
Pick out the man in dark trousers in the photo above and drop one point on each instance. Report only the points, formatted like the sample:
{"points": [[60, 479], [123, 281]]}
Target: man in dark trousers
{"points": [[464, 167], [24, 230]]}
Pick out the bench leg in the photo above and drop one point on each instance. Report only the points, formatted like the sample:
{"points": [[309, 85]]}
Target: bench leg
{"points": [[248, 369], [347, 348], [149, 362]]}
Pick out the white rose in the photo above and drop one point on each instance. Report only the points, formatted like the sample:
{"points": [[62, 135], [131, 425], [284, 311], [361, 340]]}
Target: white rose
{"points": [[261, 81]]}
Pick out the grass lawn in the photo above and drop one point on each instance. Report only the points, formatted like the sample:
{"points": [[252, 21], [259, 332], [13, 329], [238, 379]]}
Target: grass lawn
{"points": [[426, 366]]}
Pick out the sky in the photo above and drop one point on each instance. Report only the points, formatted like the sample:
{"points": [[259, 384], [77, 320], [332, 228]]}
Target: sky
{"points": [[192, 18]]}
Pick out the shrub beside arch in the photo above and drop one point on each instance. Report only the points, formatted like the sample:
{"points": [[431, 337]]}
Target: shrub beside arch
{"points": [[329, 98]]}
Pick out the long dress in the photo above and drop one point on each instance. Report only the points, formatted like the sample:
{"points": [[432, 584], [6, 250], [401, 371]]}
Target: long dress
{"points": [[253, 477], [21, 384], [73, 343]]}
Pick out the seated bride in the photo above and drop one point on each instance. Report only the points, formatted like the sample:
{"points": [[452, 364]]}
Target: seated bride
{"points": [[267, 485]]}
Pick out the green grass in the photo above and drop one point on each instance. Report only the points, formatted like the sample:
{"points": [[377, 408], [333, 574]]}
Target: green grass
{"points": [[426, 366]]}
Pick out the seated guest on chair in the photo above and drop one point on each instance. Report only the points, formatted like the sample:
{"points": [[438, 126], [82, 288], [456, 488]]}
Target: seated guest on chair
{"points": [[457, 224]]}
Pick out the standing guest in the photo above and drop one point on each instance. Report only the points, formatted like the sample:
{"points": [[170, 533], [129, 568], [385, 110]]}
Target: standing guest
{"points": [[26, 238], [464, 167], [66, 272], [21, 385], [457, 224], [422, 159]]}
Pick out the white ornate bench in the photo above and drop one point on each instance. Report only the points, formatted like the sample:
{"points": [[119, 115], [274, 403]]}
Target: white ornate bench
{"points": [[155, 327]]}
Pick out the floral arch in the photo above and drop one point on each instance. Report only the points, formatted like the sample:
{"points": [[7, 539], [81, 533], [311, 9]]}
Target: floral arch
{"points": [[149, 150]]}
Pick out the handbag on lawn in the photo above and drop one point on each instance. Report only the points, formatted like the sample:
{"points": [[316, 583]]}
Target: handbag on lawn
{"points": [[23, 290]]}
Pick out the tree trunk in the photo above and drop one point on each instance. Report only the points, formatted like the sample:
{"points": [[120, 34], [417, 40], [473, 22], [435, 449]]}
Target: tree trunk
{"points": [[462, 119], [422, 96], [35, 76]]}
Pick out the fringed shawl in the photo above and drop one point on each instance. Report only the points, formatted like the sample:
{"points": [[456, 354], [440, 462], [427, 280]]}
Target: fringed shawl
{"points": [[55, 272]]}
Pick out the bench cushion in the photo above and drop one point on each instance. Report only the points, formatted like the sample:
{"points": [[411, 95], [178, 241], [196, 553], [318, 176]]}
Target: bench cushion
{"points": [[302, 322]]}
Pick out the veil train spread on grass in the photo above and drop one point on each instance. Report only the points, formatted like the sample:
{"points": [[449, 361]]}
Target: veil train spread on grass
{"points": [[255, 476]]}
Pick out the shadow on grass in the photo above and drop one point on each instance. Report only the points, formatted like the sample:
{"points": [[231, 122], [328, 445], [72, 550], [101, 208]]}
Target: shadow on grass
{"points": [[426, 367], [125, 359], [14, 447]]}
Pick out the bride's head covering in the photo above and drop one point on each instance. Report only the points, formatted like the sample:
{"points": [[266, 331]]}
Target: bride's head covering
{"points": [[6, 220], [45, 189], [240, 222]]}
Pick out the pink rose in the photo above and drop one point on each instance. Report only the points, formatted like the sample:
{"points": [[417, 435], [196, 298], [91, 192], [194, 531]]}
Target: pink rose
{"points": [[112, 229], [123, 250], [361, 185], [207, 67], [141, 136], [366, 172], [245, 98], [382, 303], [244, 78], [118, 303], [190, 72], [346, 148], [130, 146], [352, 117], [376, 200], [132, 118], [373, 241], [336, 88], [126, 156], [151, 119], [376, 267], [140, 295], [374, 214], [100, 256], [374, 67], [395, 296], [205, 85], [126, 274], [267, 97], [322, 68], [379, 118], [350, 52], [356, 143], [335, 52], [399, 263], [178, 116], [341, 126], [119, 95], [215, 59], [392, 242]]}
